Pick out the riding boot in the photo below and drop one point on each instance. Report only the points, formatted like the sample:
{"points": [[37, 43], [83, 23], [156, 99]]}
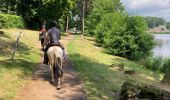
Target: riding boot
{"points": [[45, 59]]}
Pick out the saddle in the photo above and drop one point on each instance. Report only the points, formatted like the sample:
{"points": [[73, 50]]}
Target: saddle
{"points": [[54, 44]]}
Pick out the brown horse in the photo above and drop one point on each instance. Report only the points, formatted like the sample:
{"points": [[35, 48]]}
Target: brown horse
{"points": [[42, 36], [55, 55]]}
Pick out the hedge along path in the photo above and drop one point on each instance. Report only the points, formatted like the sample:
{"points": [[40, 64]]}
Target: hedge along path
{"points": [[40, 88]]}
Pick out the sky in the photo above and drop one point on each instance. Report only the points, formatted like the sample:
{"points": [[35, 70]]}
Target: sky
{"points": [[158, 8]]}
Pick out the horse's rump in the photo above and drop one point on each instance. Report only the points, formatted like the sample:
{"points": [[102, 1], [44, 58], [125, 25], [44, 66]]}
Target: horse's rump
{"points": [[55, 55], [55, 51]]}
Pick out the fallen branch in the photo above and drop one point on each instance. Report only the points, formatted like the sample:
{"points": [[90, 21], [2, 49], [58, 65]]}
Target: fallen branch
{"points": [[16, 45]]}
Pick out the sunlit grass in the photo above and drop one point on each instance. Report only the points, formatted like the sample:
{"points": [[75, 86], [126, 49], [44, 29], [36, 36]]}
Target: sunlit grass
{"points": [[100, 80], [13, 74]]}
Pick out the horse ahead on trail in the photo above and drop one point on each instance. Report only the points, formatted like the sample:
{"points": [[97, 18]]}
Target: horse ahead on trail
{"points": [[55, 55], [42, 35]]}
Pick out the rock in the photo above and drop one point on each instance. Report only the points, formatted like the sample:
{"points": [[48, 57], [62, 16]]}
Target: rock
{"points": [[1, 32], [130, 72], [136, 91], [120, 67]]}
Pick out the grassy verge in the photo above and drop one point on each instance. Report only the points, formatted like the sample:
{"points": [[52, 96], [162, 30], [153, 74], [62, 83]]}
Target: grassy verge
{"points": [[13, 74], [101, 81], [160, 32]]}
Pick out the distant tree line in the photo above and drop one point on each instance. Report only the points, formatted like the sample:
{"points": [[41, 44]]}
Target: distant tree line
{"points": [[156, 21]]}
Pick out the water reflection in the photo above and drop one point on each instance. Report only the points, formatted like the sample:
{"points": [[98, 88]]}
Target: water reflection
{"points": [[162, 47]]}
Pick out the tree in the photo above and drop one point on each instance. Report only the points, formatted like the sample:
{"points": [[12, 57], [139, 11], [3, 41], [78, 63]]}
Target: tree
{"points": [[124, 36], [99, 9], [155, 21], [8, 6], [168, 25], [42, 10]]}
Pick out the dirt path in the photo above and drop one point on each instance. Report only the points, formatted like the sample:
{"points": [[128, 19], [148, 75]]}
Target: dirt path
{"points": [[40, 88]]}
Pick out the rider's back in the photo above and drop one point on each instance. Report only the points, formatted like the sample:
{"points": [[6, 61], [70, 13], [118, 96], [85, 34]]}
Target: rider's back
{"points": [[54, 35]]}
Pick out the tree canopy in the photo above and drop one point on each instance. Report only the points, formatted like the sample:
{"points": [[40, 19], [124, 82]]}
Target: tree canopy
{"points": [[99, 9], [8, 6], [44, 9]]}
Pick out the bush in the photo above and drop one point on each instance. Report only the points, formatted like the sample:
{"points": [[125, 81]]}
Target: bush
{"points": [[156, 64], [11, 21], [124, 36], [144, 41], [165, 65]]}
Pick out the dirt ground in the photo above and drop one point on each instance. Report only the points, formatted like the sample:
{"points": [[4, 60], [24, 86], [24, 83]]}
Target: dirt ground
{"points": [[40, 88]]}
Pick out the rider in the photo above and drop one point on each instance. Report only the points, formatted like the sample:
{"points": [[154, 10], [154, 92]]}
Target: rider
{"points": [[42, 36], [52, 39]]}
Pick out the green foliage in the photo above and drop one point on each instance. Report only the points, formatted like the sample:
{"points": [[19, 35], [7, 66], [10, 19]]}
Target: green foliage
{"points": [[44, 9], [37, 11], [143, 41], [156, 63], [8, 6], [165, 66], [100, 8], [124, 36], [110, 26], [11, 21]]}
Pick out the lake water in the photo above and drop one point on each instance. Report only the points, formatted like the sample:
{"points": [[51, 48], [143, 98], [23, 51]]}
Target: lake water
{"points": [[163, 45]]}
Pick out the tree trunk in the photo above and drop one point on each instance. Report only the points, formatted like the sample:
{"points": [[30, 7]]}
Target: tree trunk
{"points": [[166, 78], [83, 17], [67, 25]]}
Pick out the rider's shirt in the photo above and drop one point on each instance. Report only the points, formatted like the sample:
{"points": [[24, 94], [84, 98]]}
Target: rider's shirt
{"points": [[54, 35]]}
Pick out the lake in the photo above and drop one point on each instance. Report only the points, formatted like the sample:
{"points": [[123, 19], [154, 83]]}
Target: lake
{"points": [[162, 47]]}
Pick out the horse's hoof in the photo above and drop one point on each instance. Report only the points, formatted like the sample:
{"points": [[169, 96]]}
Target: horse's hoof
{"points": [[52, 82], [58, 87]]}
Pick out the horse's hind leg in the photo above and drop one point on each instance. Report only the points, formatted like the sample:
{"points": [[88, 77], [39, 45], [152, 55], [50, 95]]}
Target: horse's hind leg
{"points": [[58, 84], [60, 67], [52, 71], [60, 72]]}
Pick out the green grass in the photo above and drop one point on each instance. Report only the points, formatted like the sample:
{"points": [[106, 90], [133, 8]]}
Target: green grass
{"points": [[13, 74], [160, 32], [102, 82]]}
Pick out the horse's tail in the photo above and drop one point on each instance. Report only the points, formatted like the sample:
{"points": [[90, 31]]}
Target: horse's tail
{"points": [[58, 66]]}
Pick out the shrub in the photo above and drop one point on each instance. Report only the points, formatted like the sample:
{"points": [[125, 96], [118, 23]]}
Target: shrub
{"points": [[11, 21], [144, 41], [165, 65], [156, 64], [124, 36]]}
